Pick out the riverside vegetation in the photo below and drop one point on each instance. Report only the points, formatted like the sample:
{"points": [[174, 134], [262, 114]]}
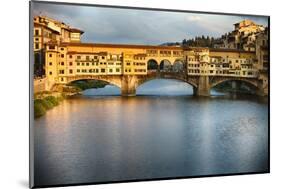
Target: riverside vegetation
{"points": [[41, 105], [44, 101]]}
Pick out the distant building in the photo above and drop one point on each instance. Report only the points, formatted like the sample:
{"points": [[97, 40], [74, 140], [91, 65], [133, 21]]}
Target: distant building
{"points": [[243, 36]]}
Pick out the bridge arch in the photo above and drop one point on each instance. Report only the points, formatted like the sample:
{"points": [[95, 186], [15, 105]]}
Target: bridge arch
{"points": [[178, 65], [161, 89], [252, 85], [165, 65], [152, 65], [172, 76], [113, 80]]}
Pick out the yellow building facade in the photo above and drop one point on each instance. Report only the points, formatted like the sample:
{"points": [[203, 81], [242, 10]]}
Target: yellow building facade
{"points": [[79, 59], [67, 59], [221, 62]]}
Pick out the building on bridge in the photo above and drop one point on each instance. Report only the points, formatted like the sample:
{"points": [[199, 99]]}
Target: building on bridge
{"points": [[67, 59], [130, 65]]}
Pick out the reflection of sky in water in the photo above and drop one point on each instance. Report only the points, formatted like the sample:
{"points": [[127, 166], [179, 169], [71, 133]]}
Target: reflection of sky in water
{"points": [[165, 87], [161, 87], [108, 90]]}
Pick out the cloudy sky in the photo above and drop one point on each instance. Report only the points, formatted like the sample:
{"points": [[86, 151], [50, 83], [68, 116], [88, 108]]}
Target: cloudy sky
{"points": [[130, 26]]}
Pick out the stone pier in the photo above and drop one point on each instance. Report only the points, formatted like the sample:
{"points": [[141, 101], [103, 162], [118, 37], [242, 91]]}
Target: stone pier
{"points": [[128, 85], [203, 88]]}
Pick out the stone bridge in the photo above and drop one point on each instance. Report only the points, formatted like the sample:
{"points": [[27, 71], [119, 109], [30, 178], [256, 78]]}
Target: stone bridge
{"points": [[201, 84]]}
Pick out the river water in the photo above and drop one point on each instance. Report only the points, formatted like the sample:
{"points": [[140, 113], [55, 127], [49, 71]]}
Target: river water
{"points": [[163, 132]]}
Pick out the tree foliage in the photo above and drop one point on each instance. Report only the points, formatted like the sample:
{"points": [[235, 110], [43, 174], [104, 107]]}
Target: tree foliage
{"points": [[200, 41]]}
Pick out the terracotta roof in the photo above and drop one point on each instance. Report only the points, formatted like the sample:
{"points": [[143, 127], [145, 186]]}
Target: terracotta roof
{"points": [[133, 46], [76, 30], [92, 53], [228, 50], [215, 57]]}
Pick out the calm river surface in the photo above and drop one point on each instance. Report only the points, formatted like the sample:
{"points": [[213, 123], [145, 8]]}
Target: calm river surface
{"points": [[163, 132]]}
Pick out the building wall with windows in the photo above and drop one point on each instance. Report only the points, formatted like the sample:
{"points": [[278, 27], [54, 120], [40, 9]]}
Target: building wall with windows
{"points": [[202, 61], [242, 37], [262, 50], [49, 30], [66, 60]]}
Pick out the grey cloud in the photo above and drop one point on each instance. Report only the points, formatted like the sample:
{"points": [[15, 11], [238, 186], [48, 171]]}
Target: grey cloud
{"points": [[111, 25]]}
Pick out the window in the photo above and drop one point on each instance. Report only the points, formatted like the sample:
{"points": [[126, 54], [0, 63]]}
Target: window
{"points": [[36, 39], [70, 63], [50, 73], [36, 45], [102, 70], [78, 63], [62, 49], [78, 57], [50, 55], [70, 71], [61, 71], [87, 58], [70, 56], [62, 55], [102, 57], [61, 79], [62, 63], [83, 64], [110, 70], [78, 70], [128, 64], [97, 70], [87, 64], [51, 46], [36, 32], [50, 63]]}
